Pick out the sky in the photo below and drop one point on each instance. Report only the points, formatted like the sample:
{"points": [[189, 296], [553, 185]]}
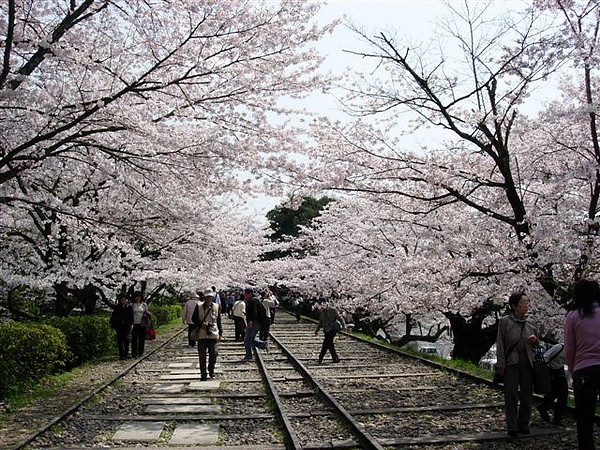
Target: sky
{"points": [[415, 20]]}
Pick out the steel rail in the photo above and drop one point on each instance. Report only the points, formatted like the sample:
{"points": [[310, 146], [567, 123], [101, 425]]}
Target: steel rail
{"points": [[293, 442], [69, 411], [364, 438]]}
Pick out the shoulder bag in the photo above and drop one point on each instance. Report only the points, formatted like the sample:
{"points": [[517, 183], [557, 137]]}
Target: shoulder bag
{"points": [[195, 334]]}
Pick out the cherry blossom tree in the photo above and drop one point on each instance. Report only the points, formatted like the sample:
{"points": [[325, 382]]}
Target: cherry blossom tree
{"points": [[123, 122], [508, 201]]}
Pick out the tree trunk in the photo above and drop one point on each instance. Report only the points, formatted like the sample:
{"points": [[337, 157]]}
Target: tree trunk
{"points": [[471, 340]]}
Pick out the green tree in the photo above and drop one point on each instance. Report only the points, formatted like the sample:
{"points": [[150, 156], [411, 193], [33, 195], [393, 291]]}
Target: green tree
{"points": [[286, 222]]}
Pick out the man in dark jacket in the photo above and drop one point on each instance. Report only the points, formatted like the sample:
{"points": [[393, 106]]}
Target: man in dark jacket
{"points": [[121, 320], [255, 317]]}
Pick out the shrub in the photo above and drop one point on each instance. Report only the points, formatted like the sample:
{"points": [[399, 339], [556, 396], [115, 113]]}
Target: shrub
{"points": [[164, 314], [88, 337], [28, 353]]}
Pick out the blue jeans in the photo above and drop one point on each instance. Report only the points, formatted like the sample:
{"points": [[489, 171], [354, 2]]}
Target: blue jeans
{"points": [[250, 339], [586, 387]]}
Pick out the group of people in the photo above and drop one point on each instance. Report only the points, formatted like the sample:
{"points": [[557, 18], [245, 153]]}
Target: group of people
{"points": [[130, 319], [253, 313], [515, 343]]}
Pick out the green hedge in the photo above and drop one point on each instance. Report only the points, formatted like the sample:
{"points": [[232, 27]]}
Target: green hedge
{"points": [[28, 353], [163, 314], [88, 337]]}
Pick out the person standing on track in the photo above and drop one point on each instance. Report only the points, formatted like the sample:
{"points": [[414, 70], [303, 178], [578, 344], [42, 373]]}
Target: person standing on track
{"points": [[514, 352], [265, 326], [557, 398], [273, 303], [239, 318], [207, 316], [582, 351], [255, 317], [121, 320], [192, 299], [138, 332], [328, 317]]}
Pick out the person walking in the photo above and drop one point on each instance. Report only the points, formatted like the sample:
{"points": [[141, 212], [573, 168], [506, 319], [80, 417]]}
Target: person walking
{"points": [[265, 326], [140, 319], [192, 299], [239, 318], [121, 320], [582, 352], [273, 303], [514, 348], [557, 398], [298, 304], [229, 302], [255, 317], [328, 316], [206, 317]]}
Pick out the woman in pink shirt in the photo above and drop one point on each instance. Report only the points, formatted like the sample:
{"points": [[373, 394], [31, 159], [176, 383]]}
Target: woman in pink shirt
{"points": [[582, 351]]}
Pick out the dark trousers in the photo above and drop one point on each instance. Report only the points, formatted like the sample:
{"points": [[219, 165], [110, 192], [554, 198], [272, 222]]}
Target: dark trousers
{"points": [[240, 328], [138, 338], [586, 388], [264, 330], [272, 311], [190, 328], [123, 341], [518, 395], [211, 347], [328, 345], [560, 392]]}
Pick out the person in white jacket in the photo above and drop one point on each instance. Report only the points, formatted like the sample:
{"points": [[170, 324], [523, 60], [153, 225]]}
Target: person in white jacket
{"points": [[555, 357], [239, 318], [191, 301]]}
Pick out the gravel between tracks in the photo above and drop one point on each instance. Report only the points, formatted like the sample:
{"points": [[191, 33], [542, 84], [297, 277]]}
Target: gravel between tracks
{"points": [[19, 424]]}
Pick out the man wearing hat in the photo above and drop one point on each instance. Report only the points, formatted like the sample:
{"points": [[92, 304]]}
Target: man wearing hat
{"points": [[191, 301], [207, 317]]}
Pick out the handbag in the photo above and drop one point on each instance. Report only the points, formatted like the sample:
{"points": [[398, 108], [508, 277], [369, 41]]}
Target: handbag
{"points": [[542, 383], [195, 334], [150, 334], [542, 380], [337, 326], [146, 321]]}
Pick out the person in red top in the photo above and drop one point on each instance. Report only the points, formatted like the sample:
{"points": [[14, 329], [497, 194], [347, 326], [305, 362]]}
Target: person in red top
{"points": [[582, 351]]}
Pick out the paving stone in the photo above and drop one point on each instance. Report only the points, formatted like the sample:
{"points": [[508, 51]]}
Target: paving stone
{"points": [[191, 371], [180, 376], [139, 431], [181, 365], [209, 385], [195, 434], [174, 400], [168, 388], [182, 409]]}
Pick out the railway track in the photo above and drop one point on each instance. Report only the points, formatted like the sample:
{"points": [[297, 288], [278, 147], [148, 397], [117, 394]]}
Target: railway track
{"points": [[374, 398]]}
